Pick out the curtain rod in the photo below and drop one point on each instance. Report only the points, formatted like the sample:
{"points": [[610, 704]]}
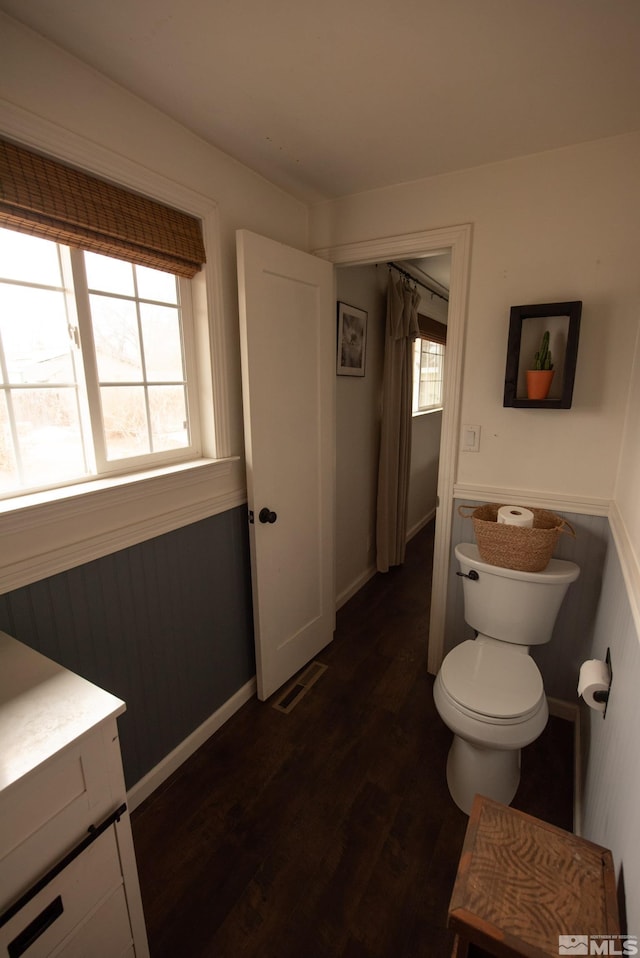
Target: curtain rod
{"points": [[414, 280]]}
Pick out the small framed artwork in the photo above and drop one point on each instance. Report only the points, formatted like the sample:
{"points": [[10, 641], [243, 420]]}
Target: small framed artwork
{"points": [[529, 327], [352, 340]]}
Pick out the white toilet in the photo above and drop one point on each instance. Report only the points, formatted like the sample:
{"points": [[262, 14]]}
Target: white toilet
{"points": [[489, 690]]}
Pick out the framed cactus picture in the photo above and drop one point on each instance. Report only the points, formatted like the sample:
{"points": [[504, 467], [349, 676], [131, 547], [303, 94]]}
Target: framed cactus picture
{"points": [[542, 354]]}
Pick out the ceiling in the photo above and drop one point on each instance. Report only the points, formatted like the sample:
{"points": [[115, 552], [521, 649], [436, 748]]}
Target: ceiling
{"points": [[336, 97]]}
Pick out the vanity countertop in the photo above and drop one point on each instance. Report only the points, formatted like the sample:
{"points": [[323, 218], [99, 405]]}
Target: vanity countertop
{"points": [[43, 708]]}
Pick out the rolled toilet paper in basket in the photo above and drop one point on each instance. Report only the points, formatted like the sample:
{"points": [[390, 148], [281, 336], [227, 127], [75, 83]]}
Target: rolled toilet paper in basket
{"points": [[515, 516]]}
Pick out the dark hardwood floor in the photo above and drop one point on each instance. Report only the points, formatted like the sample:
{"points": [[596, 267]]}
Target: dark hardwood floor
{"points": [[328, 831]]}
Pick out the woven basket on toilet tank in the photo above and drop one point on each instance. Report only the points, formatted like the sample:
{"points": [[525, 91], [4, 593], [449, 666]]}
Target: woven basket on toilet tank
{"points": [[515, 547]]}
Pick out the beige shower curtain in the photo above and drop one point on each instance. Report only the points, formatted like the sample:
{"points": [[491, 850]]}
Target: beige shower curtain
{"points": [[395, 440]]}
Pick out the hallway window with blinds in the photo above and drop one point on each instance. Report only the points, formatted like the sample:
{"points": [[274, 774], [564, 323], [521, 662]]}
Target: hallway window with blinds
{"points": [[428, 366], [97, 371]]}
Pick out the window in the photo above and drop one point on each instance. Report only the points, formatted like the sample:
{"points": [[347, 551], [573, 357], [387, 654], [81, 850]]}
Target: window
{"points": [[140, 217], [428, 366], [96, 366]]}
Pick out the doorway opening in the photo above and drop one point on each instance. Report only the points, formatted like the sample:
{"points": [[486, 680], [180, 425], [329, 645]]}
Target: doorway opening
{"points": [[454, 242], [358, 412]]}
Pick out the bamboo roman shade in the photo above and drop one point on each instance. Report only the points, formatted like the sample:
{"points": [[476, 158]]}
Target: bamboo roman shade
{"points": [[45, 198], [432, 329]]}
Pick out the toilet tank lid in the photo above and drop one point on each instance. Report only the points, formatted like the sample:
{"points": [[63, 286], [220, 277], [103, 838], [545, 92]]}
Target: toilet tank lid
{"points": [[559, 570], [492, 679]]}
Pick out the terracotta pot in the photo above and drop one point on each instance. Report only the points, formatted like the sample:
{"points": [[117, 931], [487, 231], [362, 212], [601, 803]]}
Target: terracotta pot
{"points": [[539, 383]]}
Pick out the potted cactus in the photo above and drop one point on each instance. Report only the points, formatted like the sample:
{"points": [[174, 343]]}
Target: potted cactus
{"points": [[540, 376]]}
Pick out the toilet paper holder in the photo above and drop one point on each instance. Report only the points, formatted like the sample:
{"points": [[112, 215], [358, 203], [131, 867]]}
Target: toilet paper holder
{"points": [[602, 695]]}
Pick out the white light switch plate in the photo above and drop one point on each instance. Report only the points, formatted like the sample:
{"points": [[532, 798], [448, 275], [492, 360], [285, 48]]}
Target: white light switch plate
{"points": [[470, 438]]}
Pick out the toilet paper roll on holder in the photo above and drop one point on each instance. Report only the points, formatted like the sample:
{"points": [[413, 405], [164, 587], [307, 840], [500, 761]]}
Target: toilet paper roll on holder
{"points": [[602, 695]]}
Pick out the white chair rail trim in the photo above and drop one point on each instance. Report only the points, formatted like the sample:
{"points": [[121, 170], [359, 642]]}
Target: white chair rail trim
{"points": [[579, 505], [44, 537]]}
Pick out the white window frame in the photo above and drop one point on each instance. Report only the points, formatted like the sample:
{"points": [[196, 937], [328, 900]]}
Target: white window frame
{"points": [[132, 464], [77, 295], [416, 409], [48, 532]]}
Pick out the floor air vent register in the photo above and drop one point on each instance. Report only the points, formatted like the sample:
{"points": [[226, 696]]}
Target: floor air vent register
{"points": [[299, 687]]}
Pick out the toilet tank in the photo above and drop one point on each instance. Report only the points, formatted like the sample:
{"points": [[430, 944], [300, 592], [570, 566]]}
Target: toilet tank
{"points": [[512, 606]]}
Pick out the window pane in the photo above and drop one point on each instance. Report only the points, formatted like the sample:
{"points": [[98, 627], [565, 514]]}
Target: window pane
{"points": [[125, 421], [162, 343], [427, 375], [156, 285], [51, 401], [49, 435], [28, 259], [109, 275], [9, 478], [115, 330], [35, 335], [168, 409]]}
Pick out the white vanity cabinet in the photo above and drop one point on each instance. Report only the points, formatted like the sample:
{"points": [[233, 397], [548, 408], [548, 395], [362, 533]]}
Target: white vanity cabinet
{"points": [[68, 879]]}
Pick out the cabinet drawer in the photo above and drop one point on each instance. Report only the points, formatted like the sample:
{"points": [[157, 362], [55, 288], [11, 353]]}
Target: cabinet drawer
{"points": [[105, 934], [48, 812], [46, 920]]}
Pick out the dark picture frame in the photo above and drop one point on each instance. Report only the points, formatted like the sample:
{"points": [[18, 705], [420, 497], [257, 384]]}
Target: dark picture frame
{"points": [[352, 340], [527, 324]]}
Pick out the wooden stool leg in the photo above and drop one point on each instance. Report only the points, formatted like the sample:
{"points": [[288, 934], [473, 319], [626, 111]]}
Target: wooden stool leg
{"points": [[460, 947]]}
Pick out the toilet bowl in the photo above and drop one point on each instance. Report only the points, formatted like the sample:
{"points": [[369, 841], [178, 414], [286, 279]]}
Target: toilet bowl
{"points": [[489, 691], [492, 698]]}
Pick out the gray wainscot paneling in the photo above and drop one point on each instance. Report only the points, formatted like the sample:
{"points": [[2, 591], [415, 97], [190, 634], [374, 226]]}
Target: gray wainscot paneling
{"points": [[560, 660], [165, 625]]}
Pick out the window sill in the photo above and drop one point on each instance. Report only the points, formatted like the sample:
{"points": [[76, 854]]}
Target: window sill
{"points": [[49, 532], [426, 412]]}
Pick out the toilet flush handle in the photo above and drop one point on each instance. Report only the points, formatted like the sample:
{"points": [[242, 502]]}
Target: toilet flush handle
{"points": [[473, 575]]}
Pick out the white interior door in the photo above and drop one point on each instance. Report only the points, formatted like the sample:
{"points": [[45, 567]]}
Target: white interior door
{"points": [[288, 336]]}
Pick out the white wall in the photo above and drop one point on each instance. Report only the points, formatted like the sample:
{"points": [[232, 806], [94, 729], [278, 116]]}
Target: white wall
{"points": [[557, 226], [42, 83], [358, 411], [628, 480], [423, 480]]}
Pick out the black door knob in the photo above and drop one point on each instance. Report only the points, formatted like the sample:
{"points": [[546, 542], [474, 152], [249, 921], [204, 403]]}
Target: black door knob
{"points": [[266, 515]]}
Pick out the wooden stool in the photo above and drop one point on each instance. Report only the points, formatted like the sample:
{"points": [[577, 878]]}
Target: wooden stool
{"points": [[522, 883]]}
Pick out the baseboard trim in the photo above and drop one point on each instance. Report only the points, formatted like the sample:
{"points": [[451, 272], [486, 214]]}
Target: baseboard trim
{"points": [[355, 586], [571, 712], [577, 777], [369, 573], [560, 708], [153, 779], [414, 530]]}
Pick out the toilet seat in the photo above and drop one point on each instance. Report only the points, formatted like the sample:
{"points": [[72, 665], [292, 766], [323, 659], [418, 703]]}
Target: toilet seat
{"points": [[492, 682]]}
